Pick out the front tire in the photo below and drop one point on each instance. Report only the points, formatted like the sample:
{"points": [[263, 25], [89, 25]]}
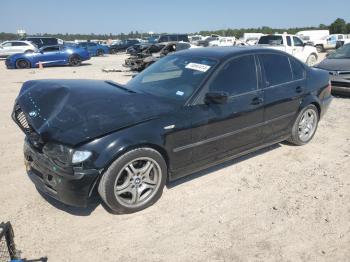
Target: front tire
{"points": [[22, 64], [319, 48], [311, 60], [134, 181], [305, 126]]}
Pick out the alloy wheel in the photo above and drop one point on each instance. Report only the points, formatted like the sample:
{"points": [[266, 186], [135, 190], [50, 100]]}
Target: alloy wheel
{"points": [[307, 125], [137, 182]]}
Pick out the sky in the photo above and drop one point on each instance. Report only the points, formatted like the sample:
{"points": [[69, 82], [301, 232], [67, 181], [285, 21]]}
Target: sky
{"points": [[177, 16]]}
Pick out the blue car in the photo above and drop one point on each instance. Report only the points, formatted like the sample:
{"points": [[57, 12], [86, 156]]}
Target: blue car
{"points": [[56, 55], [94, 49]]}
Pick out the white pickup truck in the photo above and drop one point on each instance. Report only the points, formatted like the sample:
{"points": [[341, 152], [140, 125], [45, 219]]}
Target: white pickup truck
{"points": [[292, 45], [223, 41], [329, 42]]}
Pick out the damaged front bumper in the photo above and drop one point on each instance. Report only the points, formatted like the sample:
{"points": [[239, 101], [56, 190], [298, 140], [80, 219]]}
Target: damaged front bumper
{"points": [[72, 187]]}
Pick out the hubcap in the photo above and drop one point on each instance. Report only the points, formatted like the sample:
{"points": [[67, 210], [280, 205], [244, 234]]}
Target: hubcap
{"points": [[307, 125], [137, 182], [312, 60]]}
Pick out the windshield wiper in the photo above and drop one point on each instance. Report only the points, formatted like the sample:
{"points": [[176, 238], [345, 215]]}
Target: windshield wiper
{"points": [[120, 87]]}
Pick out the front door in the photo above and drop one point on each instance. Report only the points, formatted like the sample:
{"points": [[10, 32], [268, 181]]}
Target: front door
{"points": [[298, 49], [50, 55], [220, 130]]}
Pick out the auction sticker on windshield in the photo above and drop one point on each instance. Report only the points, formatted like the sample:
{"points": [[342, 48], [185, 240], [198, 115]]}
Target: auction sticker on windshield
{"points": [[198, 67]]}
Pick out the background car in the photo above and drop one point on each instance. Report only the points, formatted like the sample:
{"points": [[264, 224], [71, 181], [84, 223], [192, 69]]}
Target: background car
{"points": [[337, 64], [173, 38], [41, 41], [123, 45], [146, 59], [14, 47], [48, 56], [94, 49]]}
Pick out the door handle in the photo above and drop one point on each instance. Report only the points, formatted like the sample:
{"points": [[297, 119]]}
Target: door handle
{"points": [[257, 101], [299, 89]]}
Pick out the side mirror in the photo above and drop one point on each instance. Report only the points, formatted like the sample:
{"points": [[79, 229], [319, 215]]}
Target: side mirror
{"points": [[216, 98]]}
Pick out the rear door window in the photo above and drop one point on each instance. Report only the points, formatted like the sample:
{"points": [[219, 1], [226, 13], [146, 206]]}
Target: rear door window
{"points": [[19, 44], [277, 69], [236, 77], [297, 69]]}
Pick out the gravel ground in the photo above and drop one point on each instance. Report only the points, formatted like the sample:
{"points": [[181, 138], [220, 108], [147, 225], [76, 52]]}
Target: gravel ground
{"points": [[284, 203]]}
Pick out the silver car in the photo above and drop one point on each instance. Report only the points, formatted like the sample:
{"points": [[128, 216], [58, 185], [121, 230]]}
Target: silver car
{"points": [[14, 47]]}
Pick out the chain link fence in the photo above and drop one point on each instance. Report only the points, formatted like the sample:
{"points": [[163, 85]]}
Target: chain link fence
{"points": [[8, 250]]}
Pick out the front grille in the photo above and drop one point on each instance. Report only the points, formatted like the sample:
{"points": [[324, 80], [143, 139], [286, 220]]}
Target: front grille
{"points": [[20, 118], [339, 83]]}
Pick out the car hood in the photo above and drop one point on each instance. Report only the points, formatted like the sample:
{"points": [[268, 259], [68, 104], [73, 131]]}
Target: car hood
{"points": [[335, 64], [74, 111]]}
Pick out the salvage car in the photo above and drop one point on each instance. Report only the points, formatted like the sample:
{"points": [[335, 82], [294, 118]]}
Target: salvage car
{"points": [[188, 111], [136, 62], [94, 49], [144, 60], [56, 55], [292, 45], [16, 47], [337, 64], [138, 48]]}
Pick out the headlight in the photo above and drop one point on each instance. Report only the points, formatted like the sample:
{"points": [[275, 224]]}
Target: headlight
{"points": [[80, 156], [58, 152], [64, 155]]}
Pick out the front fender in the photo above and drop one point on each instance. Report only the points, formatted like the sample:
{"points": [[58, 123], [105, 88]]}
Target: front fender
{"points": [[108, 148]]}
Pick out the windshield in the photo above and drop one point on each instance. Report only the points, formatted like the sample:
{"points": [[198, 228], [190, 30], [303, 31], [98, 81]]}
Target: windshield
{"points": [[342, 52], [271, 40], [174, 77]]}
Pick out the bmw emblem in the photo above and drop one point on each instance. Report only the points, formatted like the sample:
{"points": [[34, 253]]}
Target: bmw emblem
{"points": [[33, 114]]}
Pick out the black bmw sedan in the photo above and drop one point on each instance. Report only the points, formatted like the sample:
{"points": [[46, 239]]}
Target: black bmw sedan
{"points": [[186, 112], [337, 64]]}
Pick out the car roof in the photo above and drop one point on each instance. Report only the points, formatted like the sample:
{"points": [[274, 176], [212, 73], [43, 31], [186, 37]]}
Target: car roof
{"points": [[223, 53], [22, 41]]}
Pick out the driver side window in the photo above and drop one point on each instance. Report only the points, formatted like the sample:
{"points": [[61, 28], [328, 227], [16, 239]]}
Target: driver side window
{"points": [[237, 77], [297, 41], [50, 49]]}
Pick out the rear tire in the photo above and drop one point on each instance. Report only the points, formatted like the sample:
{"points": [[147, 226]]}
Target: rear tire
{"points": [[22, 64], [134, 181], [305, 126], [99, 52], [113, 51], [75, 60]]}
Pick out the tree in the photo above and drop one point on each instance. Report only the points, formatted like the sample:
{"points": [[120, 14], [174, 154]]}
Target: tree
{"points": [[348, 28], [338, 27]]}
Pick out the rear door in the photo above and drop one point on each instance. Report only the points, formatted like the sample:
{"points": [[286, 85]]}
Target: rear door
{"points": [[220, 130], [284, 79]]}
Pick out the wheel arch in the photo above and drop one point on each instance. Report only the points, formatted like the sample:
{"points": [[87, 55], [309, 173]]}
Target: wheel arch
{"points": [[122, 151], [311, 100], [315, 54]]}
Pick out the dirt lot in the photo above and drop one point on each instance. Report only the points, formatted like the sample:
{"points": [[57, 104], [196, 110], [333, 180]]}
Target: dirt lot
{"points": [[284, 203]]}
